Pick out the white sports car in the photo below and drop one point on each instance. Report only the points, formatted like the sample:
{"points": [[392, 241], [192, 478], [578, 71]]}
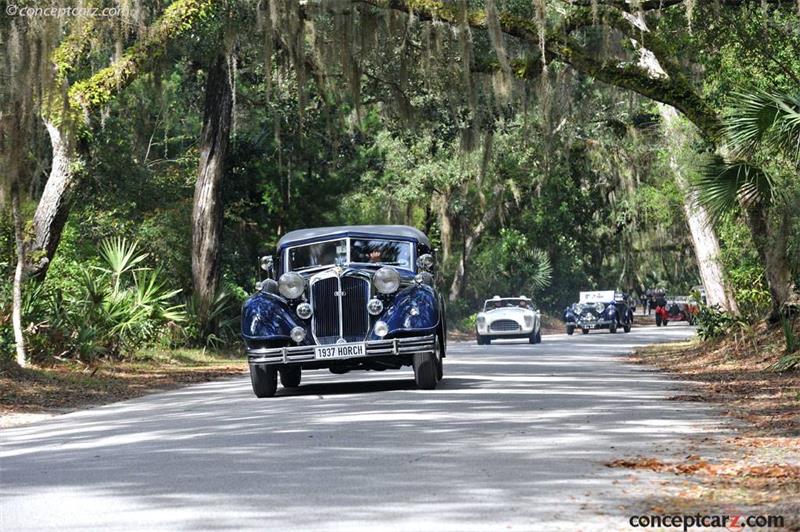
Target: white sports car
{"points": [[508, 317]]}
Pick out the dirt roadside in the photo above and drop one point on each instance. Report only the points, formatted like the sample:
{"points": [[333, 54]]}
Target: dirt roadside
{"points": [[757, 470]]}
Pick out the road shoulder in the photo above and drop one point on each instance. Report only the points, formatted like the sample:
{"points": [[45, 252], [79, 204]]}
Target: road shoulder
{"points": [[755, 469], [36, 393]]}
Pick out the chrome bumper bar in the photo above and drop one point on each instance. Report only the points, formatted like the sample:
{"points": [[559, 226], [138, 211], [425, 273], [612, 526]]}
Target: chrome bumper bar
{"points": [[305, 353], [593, 324]]}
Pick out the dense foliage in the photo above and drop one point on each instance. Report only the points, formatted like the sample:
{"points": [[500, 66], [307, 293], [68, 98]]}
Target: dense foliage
{"points": [[530, 180]]}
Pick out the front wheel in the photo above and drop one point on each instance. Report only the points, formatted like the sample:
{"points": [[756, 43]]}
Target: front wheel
{"points": [[264, 379], [570, 329], [425, 370], [585, 331], [626, 327], [613, 327], [439, 358], [290, 376]]}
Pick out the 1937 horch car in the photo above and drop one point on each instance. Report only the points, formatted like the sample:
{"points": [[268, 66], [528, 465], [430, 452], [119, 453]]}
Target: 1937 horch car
{"points": [[605, 309], [345, 298], [676, 308], [508, 317]]}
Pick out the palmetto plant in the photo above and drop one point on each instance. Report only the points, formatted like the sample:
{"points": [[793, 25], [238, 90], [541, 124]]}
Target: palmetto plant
{"points": [[762, 135], [758, 121], [122, 304], [765, 119]]}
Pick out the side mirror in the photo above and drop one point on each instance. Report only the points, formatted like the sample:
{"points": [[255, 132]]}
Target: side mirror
{"points": [[425, 262]]}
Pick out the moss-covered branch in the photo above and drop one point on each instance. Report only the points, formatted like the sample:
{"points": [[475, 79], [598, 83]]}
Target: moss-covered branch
{"points": [[674, 90], [180, 19]]}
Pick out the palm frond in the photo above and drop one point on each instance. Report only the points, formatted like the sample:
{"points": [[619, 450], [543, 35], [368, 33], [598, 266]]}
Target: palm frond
{"points": [[120, 257], [724, 186], [764, 119]]}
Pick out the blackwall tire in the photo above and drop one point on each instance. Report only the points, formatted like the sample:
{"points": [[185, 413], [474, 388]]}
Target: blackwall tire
{"points": [[626, 327], [570, 330], [290, 376], [425, 371], [585, 331], [439, 358], [264, 379]]}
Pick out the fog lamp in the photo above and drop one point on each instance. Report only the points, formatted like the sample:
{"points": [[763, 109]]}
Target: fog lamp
{"points": [[381, 329], [298, 334]]}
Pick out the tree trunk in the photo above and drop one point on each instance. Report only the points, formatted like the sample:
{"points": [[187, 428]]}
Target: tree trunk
{"points": [[181, 18], [459, 280], [445, 226], [704, 239], [207, 207], [706, 248], [53, 208], [16, 306], [770, 242]]}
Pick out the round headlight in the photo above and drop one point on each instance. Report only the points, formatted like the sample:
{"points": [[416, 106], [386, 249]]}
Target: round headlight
{"points": [[375, 306], [386, 280], [304, 310], [599, 307], [291, 285], [381, 329], [577, 307], [298, 334]]}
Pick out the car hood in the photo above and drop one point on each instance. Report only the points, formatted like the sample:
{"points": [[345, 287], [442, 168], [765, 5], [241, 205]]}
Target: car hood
{"points": [[505, 314]]}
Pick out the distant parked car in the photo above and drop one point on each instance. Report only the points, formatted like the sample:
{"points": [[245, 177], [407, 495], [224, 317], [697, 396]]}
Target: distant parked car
{"points": [[676, 308], [346, 298], [605, 309], [508, 317]]}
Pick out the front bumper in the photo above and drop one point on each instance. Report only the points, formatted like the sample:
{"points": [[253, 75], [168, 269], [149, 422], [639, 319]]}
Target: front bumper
{"points": [[374, 348], [520, 332], [593, 324]]}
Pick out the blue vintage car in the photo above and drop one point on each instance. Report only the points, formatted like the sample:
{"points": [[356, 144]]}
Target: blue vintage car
{"points": [[345, 298], [605, 309]]}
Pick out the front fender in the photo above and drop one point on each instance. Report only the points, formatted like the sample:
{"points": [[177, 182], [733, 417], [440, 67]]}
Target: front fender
{"points": [[268, 317], [414, 311]]}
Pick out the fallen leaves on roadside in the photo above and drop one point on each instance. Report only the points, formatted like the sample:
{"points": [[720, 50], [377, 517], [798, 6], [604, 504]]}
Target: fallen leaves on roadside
{"points": [[695, 465]]}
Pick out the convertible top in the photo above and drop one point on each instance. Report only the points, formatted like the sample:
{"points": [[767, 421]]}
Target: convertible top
{"points": [[385, 231]]}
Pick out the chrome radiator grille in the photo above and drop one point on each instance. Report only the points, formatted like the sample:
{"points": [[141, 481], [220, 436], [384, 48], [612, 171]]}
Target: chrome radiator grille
{"points": [[353, 322], [505, 325]]}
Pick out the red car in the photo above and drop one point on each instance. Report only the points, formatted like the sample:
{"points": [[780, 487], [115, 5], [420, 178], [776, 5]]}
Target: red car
{"points": [[675, 309]]}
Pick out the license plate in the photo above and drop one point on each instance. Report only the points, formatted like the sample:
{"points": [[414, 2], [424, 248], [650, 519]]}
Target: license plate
{"points": [[328, 352]]}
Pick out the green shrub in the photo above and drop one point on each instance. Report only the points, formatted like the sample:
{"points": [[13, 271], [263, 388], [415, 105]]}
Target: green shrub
{"points": [[224, 316], [107, 310], [713, 322]]}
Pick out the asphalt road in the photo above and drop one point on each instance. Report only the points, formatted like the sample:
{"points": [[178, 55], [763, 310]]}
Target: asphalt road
{"points": [[515, 438]]}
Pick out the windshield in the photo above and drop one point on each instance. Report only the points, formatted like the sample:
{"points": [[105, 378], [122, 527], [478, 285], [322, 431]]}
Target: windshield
{"points": [[350, 251], [492, 304], [391, 252]]}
